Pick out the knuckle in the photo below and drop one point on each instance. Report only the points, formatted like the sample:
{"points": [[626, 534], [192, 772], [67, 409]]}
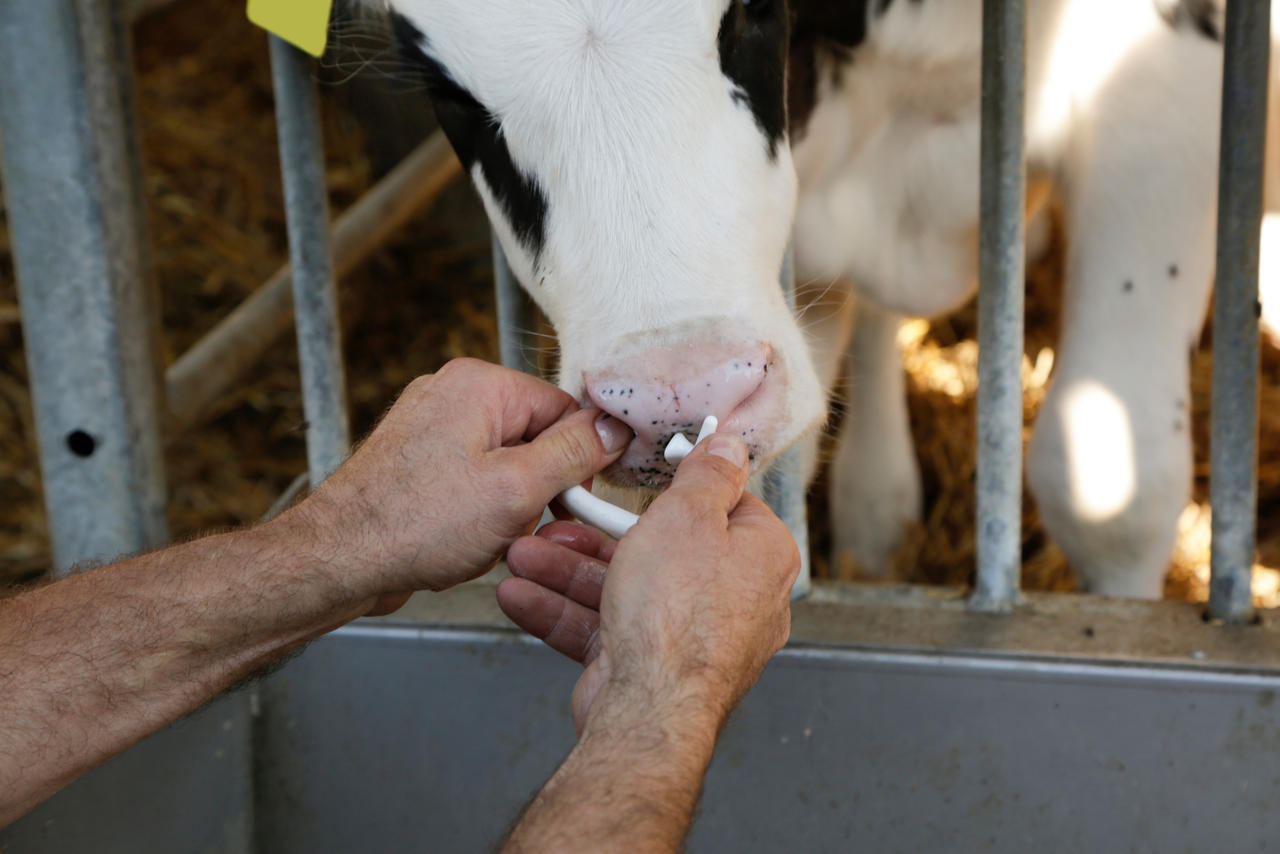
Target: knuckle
{"points": [[419, 386], [510, 487], [724, 471], [460, 368], [578, 449]]}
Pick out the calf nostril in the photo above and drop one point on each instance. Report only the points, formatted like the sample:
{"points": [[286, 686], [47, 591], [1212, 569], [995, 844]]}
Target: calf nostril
{"points": [[676, 398]]}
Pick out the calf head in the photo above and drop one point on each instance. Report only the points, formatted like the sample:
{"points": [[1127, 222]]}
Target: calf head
{"points": [[633, 158]]}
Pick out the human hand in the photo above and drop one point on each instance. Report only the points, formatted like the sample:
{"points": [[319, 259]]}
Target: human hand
{"points": [[682, 614], [461, 466]]}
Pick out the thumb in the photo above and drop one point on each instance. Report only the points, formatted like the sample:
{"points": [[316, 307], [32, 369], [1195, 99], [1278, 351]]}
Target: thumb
{"points": [[713, 476], [571, 451]]}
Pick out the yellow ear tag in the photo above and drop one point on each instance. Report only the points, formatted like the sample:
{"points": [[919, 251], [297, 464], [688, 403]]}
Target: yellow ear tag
{"points": [[302, 23]]}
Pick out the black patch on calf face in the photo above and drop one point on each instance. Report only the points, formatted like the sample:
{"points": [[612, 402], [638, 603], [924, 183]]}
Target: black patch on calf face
{"points": [[753, 54], [823, 33], [476, 136]]}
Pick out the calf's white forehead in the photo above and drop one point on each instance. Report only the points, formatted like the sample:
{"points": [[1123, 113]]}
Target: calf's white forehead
{"points": [[659, 183]]}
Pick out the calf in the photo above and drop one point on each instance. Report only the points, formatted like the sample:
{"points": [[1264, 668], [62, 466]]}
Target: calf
{"points": [[643, 163]]}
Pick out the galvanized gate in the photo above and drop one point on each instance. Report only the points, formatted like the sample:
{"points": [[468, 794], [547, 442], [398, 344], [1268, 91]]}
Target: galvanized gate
{"points": [[896, 720]]}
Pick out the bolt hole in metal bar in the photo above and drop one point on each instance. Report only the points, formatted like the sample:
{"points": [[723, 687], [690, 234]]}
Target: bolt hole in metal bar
{"points": [[1233, 490], [311, 260], [1000, 307], [784, 484], [77, 221]]}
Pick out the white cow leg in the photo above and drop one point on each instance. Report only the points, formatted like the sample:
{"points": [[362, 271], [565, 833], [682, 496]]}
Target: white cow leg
{"points": [[1110, 461], [875, 479]]}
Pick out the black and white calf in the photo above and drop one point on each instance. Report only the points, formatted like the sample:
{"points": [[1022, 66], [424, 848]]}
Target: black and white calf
{"points": [[644, 162]]}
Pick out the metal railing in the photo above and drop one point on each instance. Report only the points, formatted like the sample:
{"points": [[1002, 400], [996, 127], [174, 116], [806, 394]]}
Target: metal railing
{"points": [[72, 179], [1233, 489], [70, 157], [1236, 309], [1001, 297]]}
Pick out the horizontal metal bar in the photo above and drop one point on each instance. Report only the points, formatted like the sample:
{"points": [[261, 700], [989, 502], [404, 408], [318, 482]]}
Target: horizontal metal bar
{"points": [[1000, 307], [77, 219], [219, 359], [898, 751], [1119, 673], [1063, 626], [1233, 489]]}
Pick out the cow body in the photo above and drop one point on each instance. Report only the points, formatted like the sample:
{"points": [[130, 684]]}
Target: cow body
{"points": [[635, 158], [1122, 98]]}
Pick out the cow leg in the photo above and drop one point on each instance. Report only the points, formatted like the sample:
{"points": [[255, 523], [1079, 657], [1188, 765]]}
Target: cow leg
{"points": [[825, 314], [875, 479], [1110, 461], [1269, 270]]}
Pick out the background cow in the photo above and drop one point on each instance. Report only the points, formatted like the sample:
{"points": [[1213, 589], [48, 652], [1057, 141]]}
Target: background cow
{"points": [[643, 162]]}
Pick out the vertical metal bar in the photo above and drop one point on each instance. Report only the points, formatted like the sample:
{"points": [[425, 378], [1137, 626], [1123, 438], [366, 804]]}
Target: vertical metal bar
{"points": [[517, 344], [1000, 307], [1233, 489], [784, 489], [311, 260], [78, 224]]}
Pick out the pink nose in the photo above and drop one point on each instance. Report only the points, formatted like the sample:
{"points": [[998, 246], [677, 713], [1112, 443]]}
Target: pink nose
{"points": [[663, 393]]}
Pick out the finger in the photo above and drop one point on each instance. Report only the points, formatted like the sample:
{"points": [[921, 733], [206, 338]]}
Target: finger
{"points": [[562, 624], [712, 478], [559, 569], [752, 511], [566, 453], [775, 539], [581, 538], [388, 603], [530, 406], [518, 406]]}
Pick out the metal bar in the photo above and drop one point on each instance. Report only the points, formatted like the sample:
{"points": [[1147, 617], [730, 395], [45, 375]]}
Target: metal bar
{"points": [[314, 293], [1233, 490], [1000, 307], [77, 220], [230, 349], [517, 315], [904, 751], [784, 485]]}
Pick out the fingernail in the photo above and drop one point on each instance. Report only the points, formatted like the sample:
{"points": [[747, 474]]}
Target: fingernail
{"points": [[730, 448], [614, 435]]}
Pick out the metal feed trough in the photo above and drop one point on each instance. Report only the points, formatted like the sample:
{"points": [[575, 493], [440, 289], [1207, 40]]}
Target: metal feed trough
{"points": [[896, 719]]}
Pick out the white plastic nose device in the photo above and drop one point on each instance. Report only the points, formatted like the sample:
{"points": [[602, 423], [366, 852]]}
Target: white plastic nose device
{"points": [[611, 518]]}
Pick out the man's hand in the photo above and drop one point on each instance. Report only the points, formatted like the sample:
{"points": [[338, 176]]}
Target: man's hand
{"points": [[461, 466], [698, 597], [675, 622]]}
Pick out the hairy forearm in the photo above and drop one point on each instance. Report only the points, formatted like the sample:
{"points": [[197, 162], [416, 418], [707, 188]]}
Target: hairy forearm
{"points": [[631, 784], [91, 664]]}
